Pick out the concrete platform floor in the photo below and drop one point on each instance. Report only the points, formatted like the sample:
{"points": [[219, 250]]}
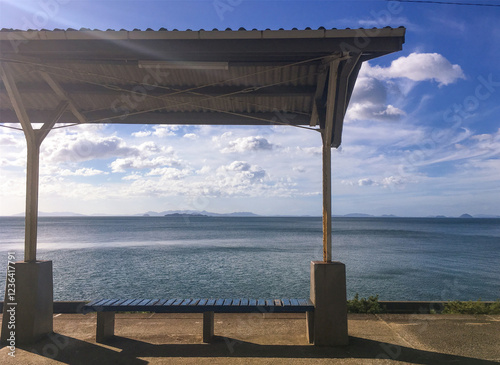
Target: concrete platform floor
{"points": [[266, 339]]}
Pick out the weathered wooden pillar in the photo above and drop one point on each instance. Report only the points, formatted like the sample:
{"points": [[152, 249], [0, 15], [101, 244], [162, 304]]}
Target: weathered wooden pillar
{"points": [[28, 309], [326, 135], [328, 325], [32, 183], [327, 198]]}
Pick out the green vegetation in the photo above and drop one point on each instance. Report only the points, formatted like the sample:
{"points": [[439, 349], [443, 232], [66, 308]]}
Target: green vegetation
{"points": [[478, 307], [370, 305]]}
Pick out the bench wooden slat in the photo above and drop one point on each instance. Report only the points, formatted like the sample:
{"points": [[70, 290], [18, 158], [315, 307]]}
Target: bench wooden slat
{"points": [[201, 305], [160, 302], [98, 302], [104, 301], [110, 302], [119, 302], [303, 302], [93, 302]]}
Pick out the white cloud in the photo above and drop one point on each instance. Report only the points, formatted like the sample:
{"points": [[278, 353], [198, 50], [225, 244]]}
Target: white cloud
{"points": [[82, 172], [417, 67], [191, 136], [246, 144], [142, 134], [76, 148], [132, 177], [385, 182], [149, 148], [300, 169], [138, 162], [366, 182], [9, 140], [169, 173], [204, 170], [369, 101], [162, 131], [240, 173]]}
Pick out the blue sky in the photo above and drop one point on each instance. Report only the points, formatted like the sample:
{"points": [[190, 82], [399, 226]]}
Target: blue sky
{"points": [[421, 137]]}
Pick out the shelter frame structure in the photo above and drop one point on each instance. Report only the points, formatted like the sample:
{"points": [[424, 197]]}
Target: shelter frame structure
{"points": [[301, 78]]}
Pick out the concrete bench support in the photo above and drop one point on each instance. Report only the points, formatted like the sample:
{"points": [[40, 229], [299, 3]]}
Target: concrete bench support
{"points": [[310, 326], [328, 293], [208, 327], [105, 326]]}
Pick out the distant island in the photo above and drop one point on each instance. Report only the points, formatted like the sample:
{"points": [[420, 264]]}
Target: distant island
{"points": [[185, 215], [195, 213], [204, 213], [466, 216]]}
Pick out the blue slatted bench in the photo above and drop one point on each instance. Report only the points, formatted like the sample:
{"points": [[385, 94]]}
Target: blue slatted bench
{"points": [[106, 309]]}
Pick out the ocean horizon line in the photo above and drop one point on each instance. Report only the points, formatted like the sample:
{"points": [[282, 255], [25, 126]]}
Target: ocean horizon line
{"points": [[180, 213]]}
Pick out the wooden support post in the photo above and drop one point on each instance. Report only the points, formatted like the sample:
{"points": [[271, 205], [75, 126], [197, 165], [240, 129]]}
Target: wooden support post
{"points": [[31, 219], [327, 199], [327, 161], [34, 138], [208, 326]]}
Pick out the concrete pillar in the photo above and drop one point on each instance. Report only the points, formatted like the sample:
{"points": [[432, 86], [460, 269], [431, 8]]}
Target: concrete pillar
{"points": [[208, 326], [328, 293], [28, 309], [105, 328]]}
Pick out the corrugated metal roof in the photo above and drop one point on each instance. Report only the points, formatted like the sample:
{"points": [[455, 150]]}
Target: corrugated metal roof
{"points": [[176, 30], [228, 33], [268, 73]]}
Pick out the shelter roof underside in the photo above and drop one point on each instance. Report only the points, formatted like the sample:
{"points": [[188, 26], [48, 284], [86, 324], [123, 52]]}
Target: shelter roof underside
{"points": [[185, 77]]}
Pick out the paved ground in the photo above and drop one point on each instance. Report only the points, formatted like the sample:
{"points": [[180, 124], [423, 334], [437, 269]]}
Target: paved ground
{"points": [[274, 339]]}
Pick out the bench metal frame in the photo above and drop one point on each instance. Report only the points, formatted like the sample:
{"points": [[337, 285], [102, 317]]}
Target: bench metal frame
{"points": [[106, 309]]}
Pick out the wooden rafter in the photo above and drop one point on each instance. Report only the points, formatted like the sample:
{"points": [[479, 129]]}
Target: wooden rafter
{"points": [[61, 93]]}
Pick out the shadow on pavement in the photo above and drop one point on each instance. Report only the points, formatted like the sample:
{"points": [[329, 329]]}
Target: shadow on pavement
{"points": [[121, 350]]}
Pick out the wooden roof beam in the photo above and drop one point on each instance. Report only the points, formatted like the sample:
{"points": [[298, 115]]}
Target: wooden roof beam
{"points": [[61, 93]]}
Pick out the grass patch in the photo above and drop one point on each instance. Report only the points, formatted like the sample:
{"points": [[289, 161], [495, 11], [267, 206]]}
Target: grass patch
{"points": [[471, 307], [363, 305]]}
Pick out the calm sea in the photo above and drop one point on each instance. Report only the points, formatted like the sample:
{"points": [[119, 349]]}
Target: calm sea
{"points": [[153, 257]]}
